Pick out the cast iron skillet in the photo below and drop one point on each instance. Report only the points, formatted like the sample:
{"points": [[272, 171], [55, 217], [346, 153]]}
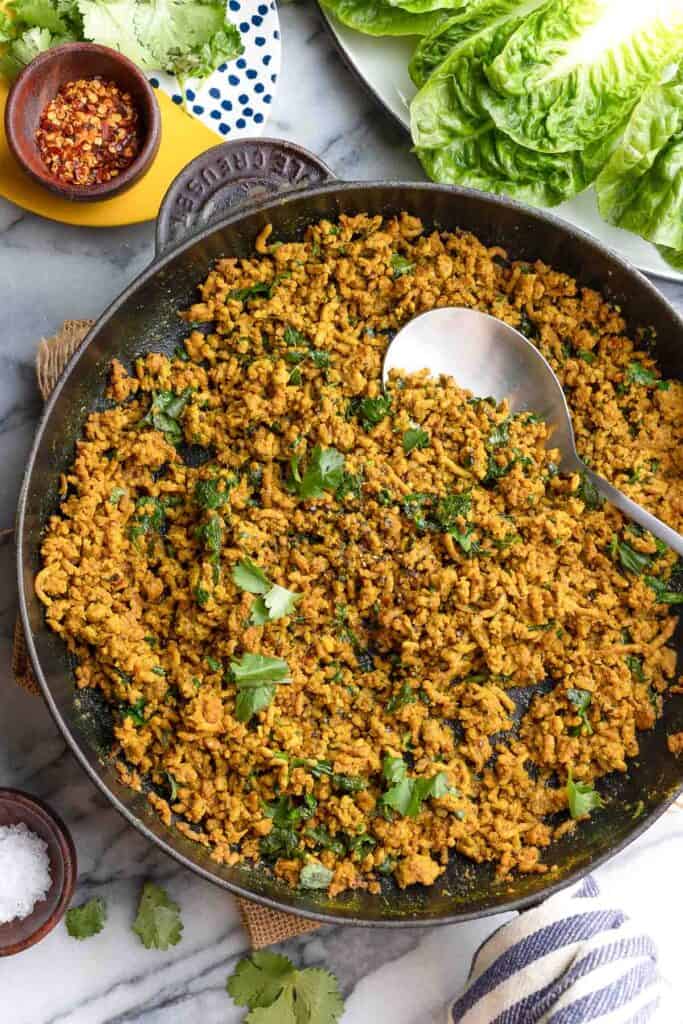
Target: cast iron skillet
{"points": [[203, 217]]}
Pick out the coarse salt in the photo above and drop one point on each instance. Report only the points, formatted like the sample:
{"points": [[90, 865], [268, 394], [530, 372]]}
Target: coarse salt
{"points": [[24, 871]]}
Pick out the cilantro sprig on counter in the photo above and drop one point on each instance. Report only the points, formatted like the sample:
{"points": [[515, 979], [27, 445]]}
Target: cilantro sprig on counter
{"points": [[256, 676], [276, 992], [158, 924], [87, 920], [272, 601]]}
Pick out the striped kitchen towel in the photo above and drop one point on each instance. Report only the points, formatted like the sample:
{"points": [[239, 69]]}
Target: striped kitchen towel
{"points": [[573, 960]]}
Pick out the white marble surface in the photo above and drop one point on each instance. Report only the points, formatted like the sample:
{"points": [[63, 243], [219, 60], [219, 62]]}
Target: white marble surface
{"points": [[49, 273]]}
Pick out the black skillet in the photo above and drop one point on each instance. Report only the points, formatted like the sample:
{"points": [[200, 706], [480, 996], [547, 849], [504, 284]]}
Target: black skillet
{"points": [[203, 217]]}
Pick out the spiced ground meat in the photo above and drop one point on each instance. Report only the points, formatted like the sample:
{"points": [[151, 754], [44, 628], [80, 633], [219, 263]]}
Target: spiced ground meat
{"points": [[313, 641]]}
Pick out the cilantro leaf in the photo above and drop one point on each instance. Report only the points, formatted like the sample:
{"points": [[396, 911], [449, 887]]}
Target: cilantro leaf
{"points": [[636, 373], [255, 676], [400, 265], [407, 795], [87, 920], [413, 438], [274, 601], [662, 593], [257, 980], [589, 493], [405, 696], [634, 561], [135, 712], [210, 534], [582, 699], [116, 495], [164, 414], [277, 992], [371, 411], [582, 798], [315, 876], [208, 493], [158, 924], [247, 576], [187, 38], [324, 473], [280, 602]]}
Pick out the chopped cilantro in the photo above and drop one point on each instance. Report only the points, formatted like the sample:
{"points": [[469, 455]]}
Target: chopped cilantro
{"points": [[252, 291], [256, 676], [635, 666], [400, 265], [587, 356], [633, 561], [214, 664], [371, 411], [405, 695], [581, 699], [202, 595], [210, 533], [589, 493], [636, 373], [322, 839], [150, 517], [135, 712], [582, 798], [283, 839], [277, 993], [165, 412], [158, 923], [116, 495], [662, 593], [413, 438], [87, 920], [173, 787], [208, 493]]}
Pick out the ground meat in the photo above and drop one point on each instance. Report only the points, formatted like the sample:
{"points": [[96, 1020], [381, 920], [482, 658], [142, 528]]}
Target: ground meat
{"points": [[427, 559]]}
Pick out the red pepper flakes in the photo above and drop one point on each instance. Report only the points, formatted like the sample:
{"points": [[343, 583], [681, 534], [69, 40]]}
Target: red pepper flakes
{"points": [[89, 132]]}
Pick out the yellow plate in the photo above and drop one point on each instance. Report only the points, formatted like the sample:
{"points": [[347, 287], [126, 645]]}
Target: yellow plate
{"points": [[182, 139]]}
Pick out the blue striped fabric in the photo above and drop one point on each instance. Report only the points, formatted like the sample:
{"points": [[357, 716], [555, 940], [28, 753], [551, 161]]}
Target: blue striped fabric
{"points": [[573, 960]]}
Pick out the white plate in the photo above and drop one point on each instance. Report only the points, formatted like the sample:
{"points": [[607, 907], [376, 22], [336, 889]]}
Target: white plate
{"points": [[235, 100], [383, 65]]}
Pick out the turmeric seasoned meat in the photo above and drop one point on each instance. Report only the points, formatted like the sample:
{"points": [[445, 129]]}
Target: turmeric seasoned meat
{"points": [[317, 638]]}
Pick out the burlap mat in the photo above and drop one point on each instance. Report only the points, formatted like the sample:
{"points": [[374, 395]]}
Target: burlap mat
{"points": [[265, 927]]}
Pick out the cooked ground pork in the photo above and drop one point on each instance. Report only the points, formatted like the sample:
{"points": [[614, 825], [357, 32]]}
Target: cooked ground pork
{"points": [[404, 564]]}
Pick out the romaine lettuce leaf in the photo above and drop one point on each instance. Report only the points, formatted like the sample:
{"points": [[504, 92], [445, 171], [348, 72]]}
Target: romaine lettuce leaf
{"points": [[454, 30], [641, 186], [422, 6], [379, 18], [576, 68], [447, 108], [492, 162]]}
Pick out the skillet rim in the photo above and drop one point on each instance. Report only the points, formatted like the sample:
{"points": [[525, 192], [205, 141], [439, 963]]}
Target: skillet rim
{"points": [[159, 261]]}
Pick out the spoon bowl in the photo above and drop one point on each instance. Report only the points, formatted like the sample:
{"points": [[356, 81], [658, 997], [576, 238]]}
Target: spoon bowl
{"points": [[492, 359]]}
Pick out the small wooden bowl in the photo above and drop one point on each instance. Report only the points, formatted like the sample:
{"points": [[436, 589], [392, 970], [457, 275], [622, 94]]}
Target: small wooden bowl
{"points": [[17, 807], [39, 83]]}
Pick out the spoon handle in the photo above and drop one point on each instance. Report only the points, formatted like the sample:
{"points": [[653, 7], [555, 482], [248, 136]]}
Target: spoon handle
{"points": [[637, 513]]}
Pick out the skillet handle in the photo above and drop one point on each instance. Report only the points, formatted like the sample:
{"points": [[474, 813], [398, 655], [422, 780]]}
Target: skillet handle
{"points": [[229, 176]]}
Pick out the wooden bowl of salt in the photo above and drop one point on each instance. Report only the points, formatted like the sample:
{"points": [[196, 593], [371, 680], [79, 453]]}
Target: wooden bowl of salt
{"points": [[38, 870]]}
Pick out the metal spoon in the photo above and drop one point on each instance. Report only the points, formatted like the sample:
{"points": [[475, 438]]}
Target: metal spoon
{"points": [[488, 357]]}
